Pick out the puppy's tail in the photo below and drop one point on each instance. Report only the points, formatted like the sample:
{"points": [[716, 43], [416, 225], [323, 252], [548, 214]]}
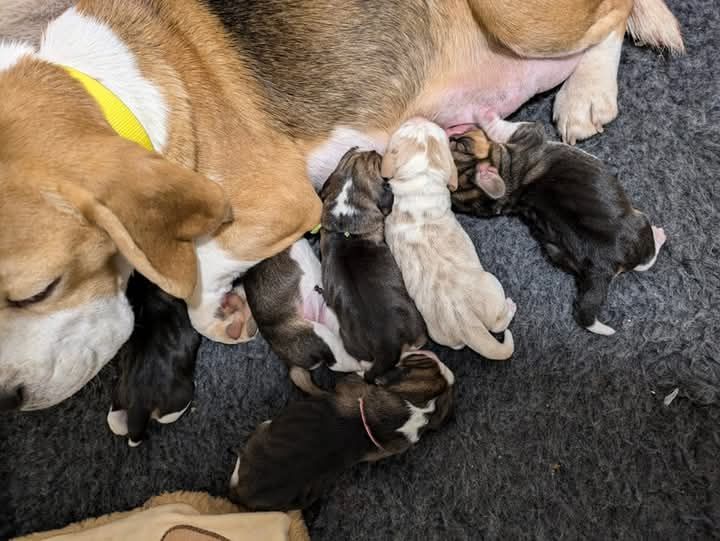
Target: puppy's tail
{"points": [[652, 23], [303, 380], [592, 292], [486, 345]]}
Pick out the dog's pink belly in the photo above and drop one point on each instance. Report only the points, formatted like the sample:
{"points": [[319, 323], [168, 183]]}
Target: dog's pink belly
{"points": [[498, 87]]}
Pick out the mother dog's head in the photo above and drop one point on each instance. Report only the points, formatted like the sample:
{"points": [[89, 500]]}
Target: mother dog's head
{"points": [[80, 207]]}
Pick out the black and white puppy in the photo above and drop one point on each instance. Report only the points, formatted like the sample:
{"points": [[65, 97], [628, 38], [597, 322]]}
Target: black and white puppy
{"points": [[290, 461], [361, 280], [572, 202], [157, 363], [285, 296]]}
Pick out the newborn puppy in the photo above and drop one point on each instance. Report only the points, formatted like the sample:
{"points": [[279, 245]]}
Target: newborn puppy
{"points": [[361, 281], [289, 462], [286, 300], [572, 202], [460, 301], [157, 363]]}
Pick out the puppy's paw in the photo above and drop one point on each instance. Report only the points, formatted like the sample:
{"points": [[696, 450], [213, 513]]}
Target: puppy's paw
{"points": [[585, 103], [118, 422]]}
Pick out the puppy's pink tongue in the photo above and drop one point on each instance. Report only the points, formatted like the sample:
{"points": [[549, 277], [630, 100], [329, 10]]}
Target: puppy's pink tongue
{"points": [[659, 236]]}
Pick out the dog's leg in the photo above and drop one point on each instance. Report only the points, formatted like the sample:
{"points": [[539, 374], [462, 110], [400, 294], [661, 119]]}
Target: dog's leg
{"points": [[218, 310], [344, 362], [588, 99]]}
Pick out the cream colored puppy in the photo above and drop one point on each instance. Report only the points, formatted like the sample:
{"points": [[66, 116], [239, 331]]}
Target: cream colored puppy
{"points": [[459, 301]]}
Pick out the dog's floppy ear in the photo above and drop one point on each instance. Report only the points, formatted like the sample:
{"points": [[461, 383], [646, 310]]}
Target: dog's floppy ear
{"points": [[150, 208], [491, 183]]}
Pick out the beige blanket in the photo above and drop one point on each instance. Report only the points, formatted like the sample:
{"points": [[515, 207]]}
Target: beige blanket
{"points": [[183, 516]]}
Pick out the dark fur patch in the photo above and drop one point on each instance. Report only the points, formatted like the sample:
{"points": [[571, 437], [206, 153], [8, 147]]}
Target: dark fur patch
{"points": [[573, 204], [157, 363]]}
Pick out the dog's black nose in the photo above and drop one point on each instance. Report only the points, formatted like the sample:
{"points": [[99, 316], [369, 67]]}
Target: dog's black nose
{"points": [[11, 400]]}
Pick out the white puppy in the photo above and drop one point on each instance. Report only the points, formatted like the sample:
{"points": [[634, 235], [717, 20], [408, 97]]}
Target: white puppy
{"points": [[459, 301]]}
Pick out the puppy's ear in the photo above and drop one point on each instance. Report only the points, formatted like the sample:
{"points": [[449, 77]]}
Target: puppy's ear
{"points": [[441, 157], [386, 199], [151, 208], [489, 182]]}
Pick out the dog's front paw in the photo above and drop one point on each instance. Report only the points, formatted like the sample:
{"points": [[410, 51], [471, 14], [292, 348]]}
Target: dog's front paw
{"points": [[583, 106]]}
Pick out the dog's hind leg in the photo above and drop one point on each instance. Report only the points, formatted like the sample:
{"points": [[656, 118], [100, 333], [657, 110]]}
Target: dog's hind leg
{"points": [[138, 417], [592, 293]]}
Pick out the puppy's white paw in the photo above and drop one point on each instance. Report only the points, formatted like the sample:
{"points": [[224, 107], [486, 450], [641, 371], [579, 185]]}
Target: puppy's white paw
{"points": [[583, 106], [170, 417], [132, 443], [600, 328], [117, 421]]}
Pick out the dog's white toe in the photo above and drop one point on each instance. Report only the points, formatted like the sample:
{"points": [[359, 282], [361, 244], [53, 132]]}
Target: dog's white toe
{"points": [[132, 443], [235, 477], [601, 328], [170, 417]]}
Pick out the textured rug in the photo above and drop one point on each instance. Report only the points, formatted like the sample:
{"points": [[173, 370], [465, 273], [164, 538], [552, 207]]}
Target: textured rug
{"points": [[570, 439]]}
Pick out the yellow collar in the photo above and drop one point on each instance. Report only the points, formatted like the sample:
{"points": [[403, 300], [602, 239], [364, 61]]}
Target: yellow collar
{"points": [[117, 114]]}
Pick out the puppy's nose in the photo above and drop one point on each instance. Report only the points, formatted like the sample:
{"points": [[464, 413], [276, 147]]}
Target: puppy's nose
{"points": [[13, 399]]}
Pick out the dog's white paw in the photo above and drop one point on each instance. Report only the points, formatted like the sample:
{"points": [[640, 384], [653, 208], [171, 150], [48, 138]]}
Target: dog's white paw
{"points": [[584, 105], [588, 99]]}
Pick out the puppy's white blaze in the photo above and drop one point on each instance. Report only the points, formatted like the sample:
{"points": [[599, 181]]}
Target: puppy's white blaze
{"points": [[12, 52], [117, 421], [217, 269], [170, 417], [90, 46], [601, 328], [418, 419], [55, 355], [235, 477], [342, 205], [132, 443]]}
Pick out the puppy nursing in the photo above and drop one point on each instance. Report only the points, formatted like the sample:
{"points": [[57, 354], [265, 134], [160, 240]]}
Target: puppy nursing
{"points": [[157, 363], [291, 460], [361, 281], [573, 204], [285, 296], [460, 302]]}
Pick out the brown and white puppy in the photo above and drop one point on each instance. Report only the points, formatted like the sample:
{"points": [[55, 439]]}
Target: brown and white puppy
{"points": [[240, 93], [361, 281], [460, 302], [573, 203], [285, 296], [291, 460]]}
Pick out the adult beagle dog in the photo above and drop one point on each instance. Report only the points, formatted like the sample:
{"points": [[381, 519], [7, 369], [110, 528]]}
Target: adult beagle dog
{"points": [[135, 127]]}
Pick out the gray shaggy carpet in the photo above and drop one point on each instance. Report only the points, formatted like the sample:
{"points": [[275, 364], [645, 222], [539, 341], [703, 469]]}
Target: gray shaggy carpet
{"points": [[570, 439]]}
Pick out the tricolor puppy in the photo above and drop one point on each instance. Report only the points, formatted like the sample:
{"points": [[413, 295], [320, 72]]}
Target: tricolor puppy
{"points": [[157, 363], [133, 128], [361, 281], [460, 302], [290, 461], [286, 300], [573, 203]]}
